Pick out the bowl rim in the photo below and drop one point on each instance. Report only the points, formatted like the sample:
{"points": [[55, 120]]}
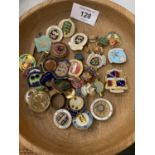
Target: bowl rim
{"points": [[130, 16]]}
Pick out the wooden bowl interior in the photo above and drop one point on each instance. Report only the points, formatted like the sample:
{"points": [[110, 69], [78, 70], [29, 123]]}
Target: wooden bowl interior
{"points": [[109, 137]]}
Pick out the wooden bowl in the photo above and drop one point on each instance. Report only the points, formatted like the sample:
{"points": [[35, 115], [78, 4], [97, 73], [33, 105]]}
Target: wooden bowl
{"points": [[37, 131]]}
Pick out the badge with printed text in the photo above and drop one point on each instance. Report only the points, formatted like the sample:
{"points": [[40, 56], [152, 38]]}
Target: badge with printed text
{"points": [[62, 119]]}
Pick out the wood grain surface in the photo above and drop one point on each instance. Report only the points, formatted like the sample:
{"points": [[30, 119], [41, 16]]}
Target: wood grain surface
{"points": [[37, 131]]}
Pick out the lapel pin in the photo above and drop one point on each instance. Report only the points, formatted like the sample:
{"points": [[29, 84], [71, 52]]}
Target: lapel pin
{"points": [[115, 81], [54, 33], [101, 109], [68, 27], [117, 55], [78, 41]]}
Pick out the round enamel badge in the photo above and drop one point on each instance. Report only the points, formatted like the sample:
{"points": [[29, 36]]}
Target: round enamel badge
{"points": [[76, 68], [78, 41], [75, 105], [49, 64], [68, 27], [83, 120], [26, 61], [101, 109], [59, 50], [39, 101], [62, 118], [54, 33], [62, 69]]}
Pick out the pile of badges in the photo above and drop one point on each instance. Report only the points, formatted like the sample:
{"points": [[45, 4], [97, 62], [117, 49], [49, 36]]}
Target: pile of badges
{"points": [[65, 84]]}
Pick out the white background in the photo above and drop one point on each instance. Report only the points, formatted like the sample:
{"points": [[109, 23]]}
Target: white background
{"points": [[27, 4], [145, 75]]}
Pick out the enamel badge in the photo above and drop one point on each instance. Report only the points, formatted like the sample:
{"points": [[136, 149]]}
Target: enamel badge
{"points": [[115, 81], [83, 120], [54, 33], [113, 38], [49, 64], [62, 69], [39, 101], [99, 87], [75, 105], [78, 41], [76, 68], [43, 43], [34, 76], [96, 61], [26, 61], [101, 109], [117, 55], [68, 27], [59, 50], [62, 119]]}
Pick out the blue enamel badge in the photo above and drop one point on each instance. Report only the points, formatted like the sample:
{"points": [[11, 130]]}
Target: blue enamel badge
{"points": [[117, 55], [43, 43]]}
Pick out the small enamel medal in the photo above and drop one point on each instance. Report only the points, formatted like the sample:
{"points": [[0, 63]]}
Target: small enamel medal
{"points": [[79, 56], [68, 27], [113, 38], [117, 55], [59, 50], [62, 69], [83, 120], [75, 105], [76, 68], [63, 84], [103, 41], [49, 65], [99, 87], [62, 119], [54, 33], [39, 101], [43, 43], [96, 61], [34, 76], [26, 61], [78, 41], [115, 80], [101, 109], [45, 80]]}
